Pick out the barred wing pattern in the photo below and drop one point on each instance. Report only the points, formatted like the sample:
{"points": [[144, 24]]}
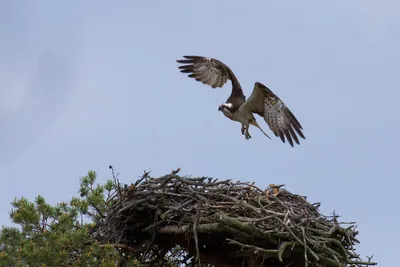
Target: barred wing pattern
{"points": [[276, 114], [207, 70]]}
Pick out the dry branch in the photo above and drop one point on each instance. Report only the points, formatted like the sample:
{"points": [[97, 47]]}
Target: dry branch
{"points": [[224, 223]]}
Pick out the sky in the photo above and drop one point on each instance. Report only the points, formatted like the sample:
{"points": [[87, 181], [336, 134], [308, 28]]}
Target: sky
{"points": [[89, 84]]}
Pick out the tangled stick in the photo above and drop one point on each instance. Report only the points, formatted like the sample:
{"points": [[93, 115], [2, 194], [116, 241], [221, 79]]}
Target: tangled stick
{"points": [[228, 222]]}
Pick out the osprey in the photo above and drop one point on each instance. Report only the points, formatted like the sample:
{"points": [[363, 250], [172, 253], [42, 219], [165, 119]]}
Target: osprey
{"points": [[262, 101]]}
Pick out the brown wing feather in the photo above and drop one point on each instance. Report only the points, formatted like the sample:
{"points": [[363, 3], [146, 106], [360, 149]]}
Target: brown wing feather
{"points": [[206, 70], [280, 119], [212, 72], [276, 114]]}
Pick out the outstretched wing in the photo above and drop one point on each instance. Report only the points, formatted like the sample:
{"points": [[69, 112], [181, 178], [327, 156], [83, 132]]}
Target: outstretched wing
{"points": [[210, 71], [276, 114]]}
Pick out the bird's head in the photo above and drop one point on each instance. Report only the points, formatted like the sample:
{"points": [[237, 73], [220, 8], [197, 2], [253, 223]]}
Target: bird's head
{"points": [[225, 108]]}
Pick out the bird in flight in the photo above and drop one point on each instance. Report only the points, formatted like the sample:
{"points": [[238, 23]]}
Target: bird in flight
{"points": [[262, 101]]}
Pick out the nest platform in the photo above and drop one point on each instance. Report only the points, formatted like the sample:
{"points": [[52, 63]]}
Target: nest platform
{"points": [[209, 222]]}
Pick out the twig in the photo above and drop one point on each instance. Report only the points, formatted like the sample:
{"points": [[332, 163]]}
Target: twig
{"points": [[144, 176], [305, 248], [268, 252], [196, 239]]}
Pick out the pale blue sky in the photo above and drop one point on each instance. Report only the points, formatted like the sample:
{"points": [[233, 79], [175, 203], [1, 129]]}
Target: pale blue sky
{"points": [[85, 85]]}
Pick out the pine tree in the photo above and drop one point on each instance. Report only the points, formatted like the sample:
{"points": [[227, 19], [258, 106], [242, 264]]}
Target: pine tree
{"points": [[61, 234]]}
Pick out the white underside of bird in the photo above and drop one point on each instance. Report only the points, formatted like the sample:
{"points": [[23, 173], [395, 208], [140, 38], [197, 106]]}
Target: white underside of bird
{"points": [[244, 117]]}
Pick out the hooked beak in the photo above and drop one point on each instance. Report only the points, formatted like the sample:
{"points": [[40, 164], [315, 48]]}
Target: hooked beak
{"points": [[219, 107]]}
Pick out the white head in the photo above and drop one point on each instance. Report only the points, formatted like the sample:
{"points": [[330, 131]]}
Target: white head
{"points": [[226, 109]]}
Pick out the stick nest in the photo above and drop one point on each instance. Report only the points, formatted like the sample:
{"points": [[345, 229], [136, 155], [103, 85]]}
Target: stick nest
{"points": [[207, 222]]}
